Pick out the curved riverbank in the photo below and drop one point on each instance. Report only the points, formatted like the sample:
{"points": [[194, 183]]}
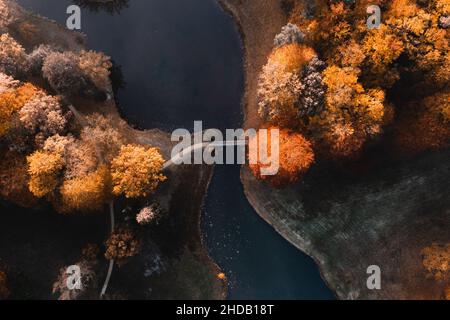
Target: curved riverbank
{"points": [[348, 221]]}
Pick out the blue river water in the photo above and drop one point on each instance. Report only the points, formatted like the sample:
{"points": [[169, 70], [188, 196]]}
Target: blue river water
{"points": [[182, 61]]}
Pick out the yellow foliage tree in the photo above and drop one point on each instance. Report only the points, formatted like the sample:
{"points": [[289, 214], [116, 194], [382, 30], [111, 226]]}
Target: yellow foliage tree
{"points": [[381, 48], [88, 193], [12, 101], [44, 169], [352, 114], [136, 171], [410, 49], [291, 57], [439, 104]]}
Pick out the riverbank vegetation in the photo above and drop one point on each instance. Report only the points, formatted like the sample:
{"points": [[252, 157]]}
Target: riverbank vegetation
{"points": [[345, 88], [57, 145], [78, 162]]}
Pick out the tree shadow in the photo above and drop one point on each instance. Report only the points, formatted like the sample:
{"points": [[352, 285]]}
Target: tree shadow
{"points": [[110, 6]]}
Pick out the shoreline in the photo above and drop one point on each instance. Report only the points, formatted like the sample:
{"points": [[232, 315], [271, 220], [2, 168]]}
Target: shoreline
{"points": [[341, 245], [245, 104]]}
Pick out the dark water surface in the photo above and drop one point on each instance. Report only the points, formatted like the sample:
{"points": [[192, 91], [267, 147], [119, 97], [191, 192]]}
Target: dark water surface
{"points": [[182, 61]]}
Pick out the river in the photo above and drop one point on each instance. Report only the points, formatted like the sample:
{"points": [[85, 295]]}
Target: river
{"points": [[182, 61]]}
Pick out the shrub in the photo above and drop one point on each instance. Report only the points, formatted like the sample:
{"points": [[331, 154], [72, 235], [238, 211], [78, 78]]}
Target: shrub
{"points": [[89, 282], [122, 244], [148, 214]]}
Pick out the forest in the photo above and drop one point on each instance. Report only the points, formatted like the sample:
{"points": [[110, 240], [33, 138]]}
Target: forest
{"points": [[337, 88]]}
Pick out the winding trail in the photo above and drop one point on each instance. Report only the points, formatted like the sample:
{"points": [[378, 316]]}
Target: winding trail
{"points": [[81, 119], [111, 262]]}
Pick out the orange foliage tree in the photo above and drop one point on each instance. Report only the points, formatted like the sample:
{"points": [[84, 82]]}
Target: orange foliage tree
{"points": [[365, 69], [122, 244], [295, 157], [12, 101], [436, 261]]}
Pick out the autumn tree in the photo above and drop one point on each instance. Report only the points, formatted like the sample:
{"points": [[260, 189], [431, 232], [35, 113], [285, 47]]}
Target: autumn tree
{"points": [[122, 244], [62, 71], [312, 93], [44, 169], [136, 171], [280, 85], [352, 114], [291, 57], [70, 73], [6, 17], [79, 158], [96, 67], [37, 57], [436, 261], [43, 114], [86, 193], [89, 282], [381, 48], [13, 58], [360, 85], [278, 91], [104, 135], [7, 83], [11, 101], [295, 157], [289, 34]]}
